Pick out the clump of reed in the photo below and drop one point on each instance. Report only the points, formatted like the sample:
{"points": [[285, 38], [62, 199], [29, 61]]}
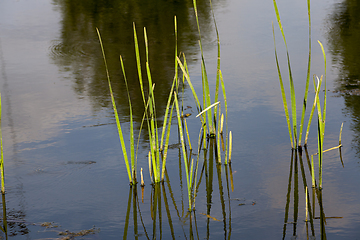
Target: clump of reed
{"points": [[321, 111], [210, 112], [156, 167], [132, 171], [211, 117], [295, 131]]}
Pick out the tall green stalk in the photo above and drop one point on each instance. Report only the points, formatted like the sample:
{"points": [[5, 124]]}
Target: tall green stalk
{"points": [[295, 137], [181, 133], [132, 177], [211, 119], [307, 81], [292, 88], [156, 144], [321, 119], [2, 157]]}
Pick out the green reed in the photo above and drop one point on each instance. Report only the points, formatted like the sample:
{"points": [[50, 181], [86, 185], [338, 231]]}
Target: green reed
{"points": [[211, 117], [156, 143], [150, 119], [132, 173], [2, 157], [295, 136], [209, 114], [188, 171], [321, 121]]}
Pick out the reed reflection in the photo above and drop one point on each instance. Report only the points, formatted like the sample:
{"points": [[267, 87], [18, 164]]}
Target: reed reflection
{"points": [[4, 225], [164, 204], [313, 198]]}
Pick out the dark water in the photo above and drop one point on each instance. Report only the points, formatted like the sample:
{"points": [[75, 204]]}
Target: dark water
{"points": [[63, 161]]}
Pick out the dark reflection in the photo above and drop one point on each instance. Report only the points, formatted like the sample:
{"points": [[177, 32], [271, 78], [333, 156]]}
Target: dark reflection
{"points": [[12, 221], [77, 51], [313, 199], [4, 225], [165, 209], [343, 42]]}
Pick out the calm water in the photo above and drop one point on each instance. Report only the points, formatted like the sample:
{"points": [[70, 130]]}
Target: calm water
{"points": [[57, 117]]}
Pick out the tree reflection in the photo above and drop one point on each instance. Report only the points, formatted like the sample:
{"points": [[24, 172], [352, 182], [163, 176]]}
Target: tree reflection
{"points": [[343, 42], [77, 51]]}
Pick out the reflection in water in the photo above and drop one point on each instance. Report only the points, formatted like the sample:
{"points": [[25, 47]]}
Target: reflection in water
{"points": [[343, 42], [78, 50], [162, 192], [4, 226], [13, 222], [310, 202]]}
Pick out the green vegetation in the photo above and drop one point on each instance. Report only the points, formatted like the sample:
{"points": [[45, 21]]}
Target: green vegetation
{"points": [[295, 137], [149, 116], [2, 157], [209, 113], [132, 174], [211, 120]]}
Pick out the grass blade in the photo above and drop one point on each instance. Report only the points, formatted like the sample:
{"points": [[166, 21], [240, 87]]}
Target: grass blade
{"points": [[187, 77], [2, 155], [311, 113], [283, 92], [183, 148], [230, 146], [207, 109], [292, 88], [324, 55], [218, 58], [115, 112], [342, 124], [167, 143], [138, 64], [226, 113], [132, 151], [307, 79]]}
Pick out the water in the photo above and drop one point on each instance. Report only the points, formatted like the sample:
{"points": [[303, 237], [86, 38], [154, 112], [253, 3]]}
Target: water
{"points": [[57, 116]]}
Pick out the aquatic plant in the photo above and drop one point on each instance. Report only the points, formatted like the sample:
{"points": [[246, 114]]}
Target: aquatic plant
{"points": [[321, 120], [209, 112], [132, 172], [189, 170], [156, 170], [150, 111], [295, 136]]}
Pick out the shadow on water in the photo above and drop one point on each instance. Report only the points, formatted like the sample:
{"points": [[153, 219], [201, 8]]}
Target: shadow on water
{"points": [[343, 38], [77, 50], [313, 198], [164, 202]]}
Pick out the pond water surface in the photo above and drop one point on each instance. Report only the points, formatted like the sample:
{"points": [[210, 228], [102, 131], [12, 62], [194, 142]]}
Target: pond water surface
{"points": [[63, 160]]}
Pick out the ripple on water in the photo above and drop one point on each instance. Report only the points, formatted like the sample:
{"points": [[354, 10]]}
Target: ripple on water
{"points": [[58, 49]]}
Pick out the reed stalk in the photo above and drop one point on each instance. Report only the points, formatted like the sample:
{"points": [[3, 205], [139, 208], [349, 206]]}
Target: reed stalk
{"points": [[2, 155], [209, 120], [295, 131], [181, 135], [342, 124], [132, 173], [321, 119]]}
